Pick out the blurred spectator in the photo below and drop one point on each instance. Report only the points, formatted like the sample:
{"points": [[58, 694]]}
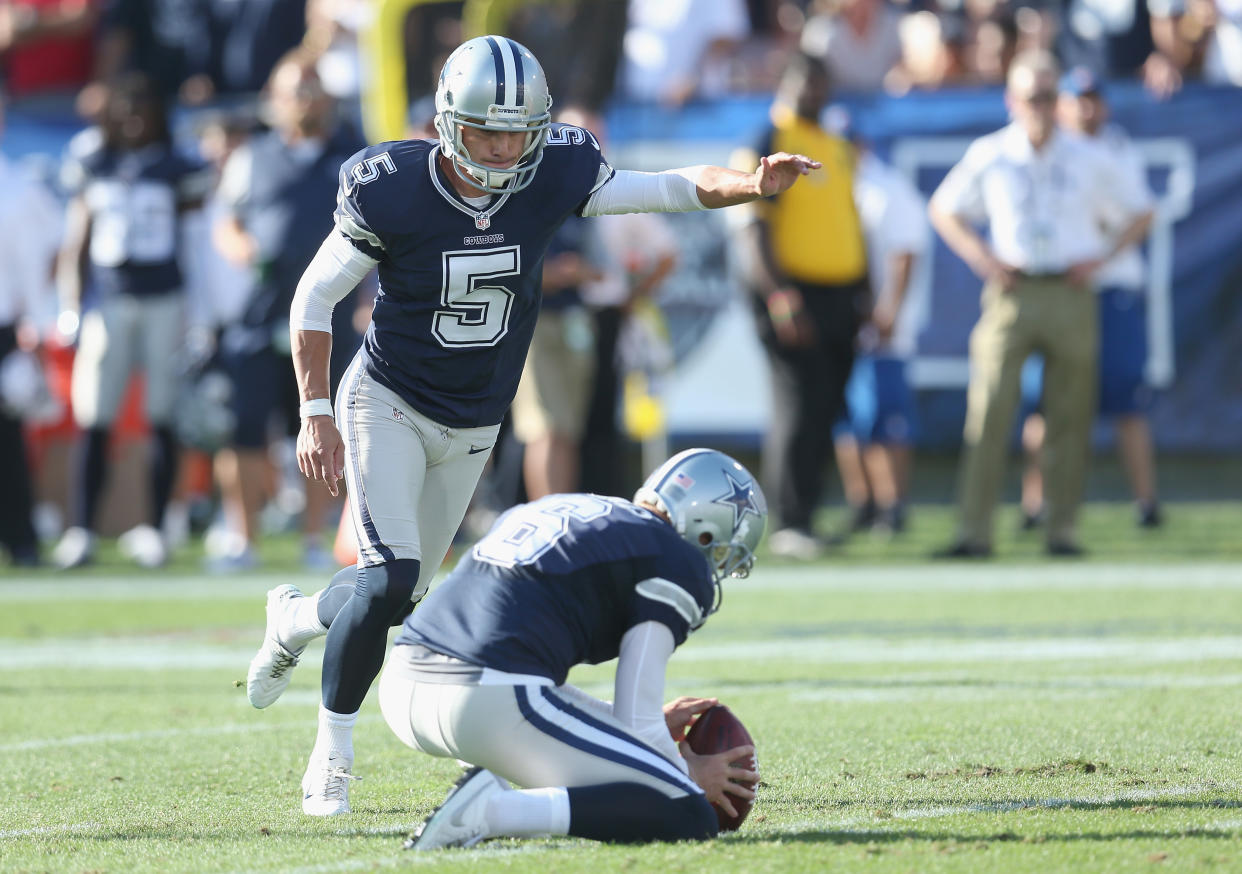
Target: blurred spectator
{"points": [[432, 31], [873, 453], [596, 29], [990, 53], [549, 410], [809, 280], [858, 40], [194, 49], [332, 31], [1124, 395], [932, 53], [119, 269], [633, 253], [167, 40], [1216, 27], [27, 251], [1125, 38], [45, 45], [277, 191], [676, 50], [247, 38], [1041, 193]]}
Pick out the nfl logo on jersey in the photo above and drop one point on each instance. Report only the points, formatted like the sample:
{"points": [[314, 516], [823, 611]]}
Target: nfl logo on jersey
{"points": [[482, 222]]}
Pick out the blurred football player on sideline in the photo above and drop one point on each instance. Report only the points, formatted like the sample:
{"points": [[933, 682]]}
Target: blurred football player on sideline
{"points": [[458, 229], [119, 272], [478, 672]]}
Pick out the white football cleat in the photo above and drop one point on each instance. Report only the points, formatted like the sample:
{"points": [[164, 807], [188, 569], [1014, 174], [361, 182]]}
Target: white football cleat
{"points": [[75, 549], [144, 545], [325, 787], [461, 819], [272, 667]]}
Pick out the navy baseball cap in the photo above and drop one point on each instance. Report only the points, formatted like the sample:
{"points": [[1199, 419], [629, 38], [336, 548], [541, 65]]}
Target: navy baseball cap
{"points": [[1080, 82]]}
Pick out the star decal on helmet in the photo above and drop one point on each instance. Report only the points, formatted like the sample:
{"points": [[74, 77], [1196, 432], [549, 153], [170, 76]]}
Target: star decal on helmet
{"points": [[742, 497]]}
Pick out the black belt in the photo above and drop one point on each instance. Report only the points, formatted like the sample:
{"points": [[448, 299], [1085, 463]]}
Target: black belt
{"points": [[1044, 277]]}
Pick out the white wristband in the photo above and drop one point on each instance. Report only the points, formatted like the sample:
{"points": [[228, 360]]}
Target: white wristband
{"points": [[315, 407]]}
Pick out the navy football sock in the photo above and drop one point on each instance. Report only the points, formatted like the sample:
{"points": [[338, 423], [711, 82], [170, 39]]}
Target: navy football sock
{"points": [[632, 813], [358, 636], [92, 473], [163, 472]]}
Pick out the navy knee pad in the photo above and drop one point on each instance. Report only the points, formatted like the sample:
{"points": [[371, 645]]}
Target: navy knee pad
{"points": [[338, 592], [387, 588]]}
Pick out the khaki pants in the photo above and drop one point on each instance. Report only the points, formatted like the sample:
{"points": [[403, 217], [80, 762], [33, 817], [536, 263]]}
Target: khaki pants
{"points": [[1061, 321]]}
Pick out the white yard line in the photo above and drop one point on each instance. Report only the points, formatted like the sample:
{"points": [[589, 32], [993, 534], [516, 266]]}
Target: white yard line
{"points": [[76, 828], [160, 653], [118, 737], [140, 588], [872, 823], [884, 650], [862, 578], [166, 652], [986, 577]]}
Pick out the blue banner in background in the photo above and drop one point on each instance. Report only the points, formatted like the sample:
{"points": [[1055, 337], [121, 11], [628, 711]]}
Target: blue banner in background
{"points": [[1193, 145]]}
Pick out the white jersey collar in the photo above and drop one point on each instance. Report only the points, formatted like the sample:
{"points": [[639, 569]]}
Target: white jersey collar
{"points": [[482, 217]]}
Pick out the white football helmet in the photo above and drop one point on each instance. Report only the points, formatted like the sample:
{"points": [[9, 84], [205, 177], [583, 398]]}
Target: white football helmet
{"points": [[493, 83], [715, 505]]}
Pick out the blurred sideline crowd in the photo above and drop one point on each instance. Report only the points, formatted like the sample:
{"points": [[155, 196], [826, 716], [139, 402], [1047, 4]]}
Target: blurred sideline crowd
{"points": [[148, 269]]}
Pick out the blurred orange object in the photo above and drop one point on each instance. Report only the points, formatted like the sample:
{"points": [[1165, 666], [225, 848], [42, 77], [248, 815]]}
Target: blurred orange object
{"points": [[345, 549]]}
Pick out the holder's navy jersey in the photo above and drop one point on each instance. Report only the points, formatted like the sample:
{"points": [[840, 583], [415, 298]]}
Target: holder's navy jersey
{"points": [[134, 198], [558, 582], [459, 285]]}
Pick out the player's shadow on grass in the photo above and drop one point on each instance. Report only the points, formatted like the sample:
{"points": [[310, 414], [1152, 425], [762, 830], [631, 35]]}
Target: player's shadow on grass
{"points": [[876, 833], [864, 837]]}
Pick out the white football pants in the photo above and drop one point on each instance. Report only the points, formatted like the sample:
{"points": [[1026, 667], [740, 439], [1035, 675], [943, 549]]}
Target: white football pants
{"points": [[531, 734], [410, 479]]}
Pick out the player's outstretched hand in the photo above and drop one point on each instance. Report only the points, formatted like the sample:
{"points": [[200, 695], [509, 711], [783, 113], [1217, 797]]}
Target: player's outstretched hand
{"points": [[778, 172], [679, 712], [321, 451], [723, 774]]}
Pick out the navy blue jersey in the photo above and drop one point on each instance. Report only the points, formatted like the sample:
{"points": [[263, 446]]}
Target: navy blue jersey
{"points": [[134, 198], [459, 285], [558, 582]]}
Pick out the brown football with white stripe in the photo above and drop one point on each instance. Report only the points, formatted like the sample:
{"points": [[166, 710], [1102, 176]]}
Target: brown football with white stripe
{"points": [[715, 731]]}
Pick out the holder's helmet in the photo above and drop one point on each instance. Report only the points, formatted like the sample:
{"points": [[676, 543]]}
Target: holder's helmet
{"points": [[715, 505], [493, 83]]}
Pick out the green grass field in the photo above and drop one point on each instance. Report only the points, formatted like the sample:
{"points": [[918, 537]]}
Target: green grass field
{"points": [[1015, 715]]}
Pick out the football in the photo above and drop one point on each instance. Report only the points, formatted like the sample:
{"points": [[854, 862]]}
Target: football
{"points": [[715, 731]]}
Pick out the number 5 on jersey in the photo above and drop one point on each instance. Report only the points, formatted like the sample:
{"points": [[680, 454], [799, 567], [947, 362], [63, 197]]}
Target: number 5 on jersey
{"points": [[476, 309]]}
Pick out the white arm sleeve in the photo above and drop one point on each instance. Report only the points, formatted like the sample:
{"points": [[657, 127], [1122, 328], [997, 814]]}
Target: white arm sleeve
{"points": [[334, 271], [639, 693], [632, 191]]}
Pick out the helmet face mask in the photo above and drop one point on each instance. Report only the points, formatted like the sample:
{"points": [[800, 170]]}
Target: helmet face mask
{"points": [[492, 83], [715, 505]]}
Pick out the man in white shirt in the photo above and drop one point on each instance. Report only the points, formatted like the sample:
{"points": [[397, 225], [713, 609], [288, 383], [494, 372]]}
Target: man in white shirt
{"points": [[1043, 195], [1124, 395]]}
